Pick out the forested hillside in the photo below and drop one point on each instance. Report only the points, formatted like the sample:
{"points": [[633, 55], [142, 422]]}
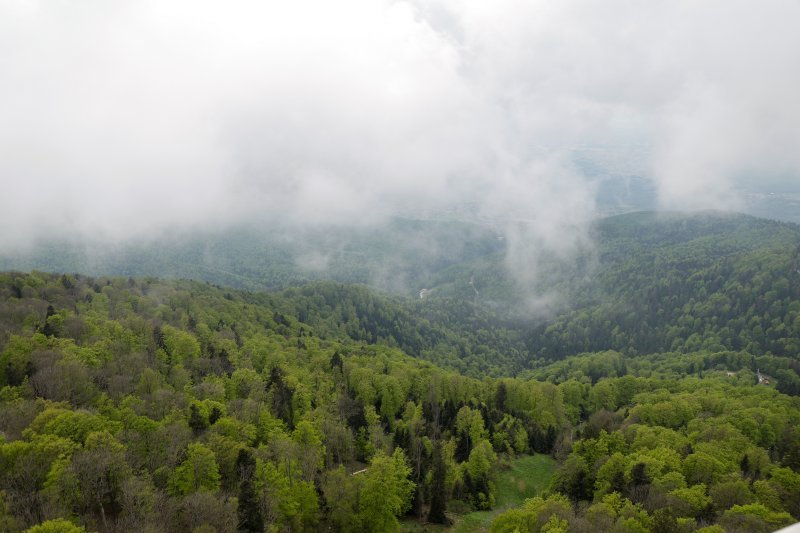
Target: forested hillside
{"points": [[724, 288], [397, 256], [685, 283], [147, 405], [652, 283], [399, 265]]}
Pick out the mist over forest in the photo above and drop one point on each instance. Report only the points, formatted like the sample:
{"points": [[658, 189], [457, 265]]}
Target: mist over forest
{"points": [[399, 265]]}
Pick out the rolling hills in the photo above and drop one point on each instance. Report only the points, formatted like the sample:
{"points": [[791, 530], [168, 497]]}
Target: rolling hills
{"points": [[664, 380]]}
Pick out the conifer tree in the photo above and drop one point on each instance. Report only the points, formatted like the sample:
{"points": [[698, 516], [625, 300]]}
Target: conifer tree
{"points": [[249, 512], [438, 495]]}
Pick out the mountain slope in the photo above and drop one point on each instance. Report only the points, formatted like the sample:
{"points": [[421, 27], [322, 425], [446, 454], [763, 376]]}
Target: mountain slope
{"points": [[395, 256], [684, 283], [147, 405], [653, 283]]}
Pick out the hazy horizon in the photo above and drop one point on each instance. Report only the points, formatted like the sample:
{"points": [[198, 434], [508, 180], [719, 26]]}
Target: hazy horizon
{"points": [[130, 120]]}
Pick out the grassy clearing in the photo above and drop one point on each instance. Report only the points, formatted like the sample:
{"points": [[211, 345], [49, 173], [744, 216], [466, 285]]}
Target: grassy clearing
{"points": [[524, 478]]}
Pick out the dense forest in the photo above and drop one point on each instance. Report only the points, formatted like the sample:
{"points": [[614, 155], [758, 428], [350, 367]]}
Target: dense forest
{"points": [[397, 257], [180, 406], [666, 283], [662, 394]]}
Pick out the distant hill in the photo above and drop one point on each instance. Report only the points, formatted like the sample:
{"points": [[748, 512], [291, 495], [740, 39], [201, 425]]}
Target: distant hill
{"points": [[684, 282], [652, 283], [395, 257]]}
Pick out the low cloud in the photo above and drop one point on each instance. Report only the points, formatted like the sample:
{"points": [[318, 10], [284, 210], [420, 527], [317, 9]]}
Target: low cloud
{"points": [[127, 120]]}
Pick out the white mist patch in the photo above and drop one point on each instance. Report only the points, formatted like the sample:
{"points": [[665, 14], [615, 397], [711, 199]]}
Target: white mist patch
{"points": [[314, 261], [545, 211]]}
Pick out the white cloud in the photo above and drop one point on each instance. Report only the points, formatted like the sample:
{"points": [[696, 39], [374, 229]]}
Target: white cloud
{"points": [[123, 119]]}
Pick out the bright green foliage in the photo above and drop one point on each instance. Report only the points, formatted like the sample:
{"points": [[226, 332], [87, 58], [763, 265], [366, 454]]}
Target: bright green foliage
{"points": [[603, 396], [93, 478], [167, 383], [481, 460], [385, 492], [74, 425], [312, 454], [15, 359], [654, 437], [620, 511], [716, 528], [236, 430], [510, 436], [670, 481], [245, 382], [26, 466], [766, 493], [341, 492], [470, 426], [58, 525], [756, 518], [291, 501], [198, 472], [787, 483], [478, 475], [693, 499], [512, 521], [534, 514], [555, 524], [179, 345], [702, 468], [611, 476]]}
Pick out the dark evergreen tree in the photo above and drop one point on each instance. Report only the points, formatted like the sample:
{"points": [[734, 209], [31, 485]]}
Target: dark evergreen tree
{"points": [[336, 360], [580, 486], [437, 514], [618, 483], [47, 328], [462, 447], [536, 438], [248, 510], [158, 338], [282, 395], [197, 421], [550, 439], [744, 465], [214, 415], [225, 362], [500, 397], [639, 475]]}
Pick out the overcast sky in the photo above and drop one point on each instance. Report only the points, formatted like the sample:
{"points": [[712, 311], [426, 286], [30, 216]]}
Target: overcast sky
{"points": [[126, 118]]}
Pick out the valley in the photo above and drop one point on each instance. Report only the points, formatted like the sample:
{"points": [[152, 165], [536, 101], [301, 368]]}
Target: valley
{"points": [[141, 403]]}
